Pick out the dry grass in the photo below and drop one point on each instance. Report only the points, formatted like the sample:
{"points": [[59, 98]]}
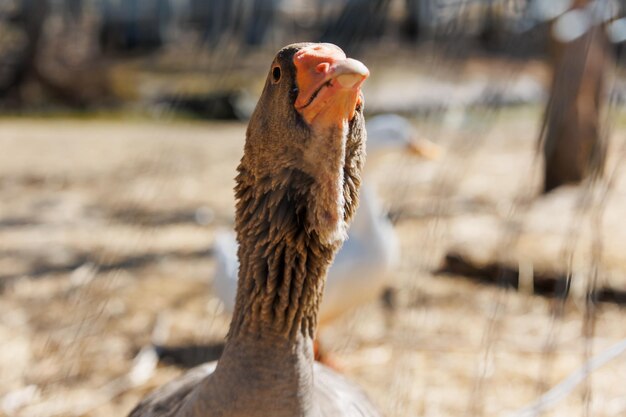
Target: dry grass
{"points": [[100, 252]]}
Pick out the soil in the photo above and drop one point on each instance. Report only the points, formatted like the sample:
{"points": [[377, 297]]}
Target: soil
{"points": [[106, 232]]}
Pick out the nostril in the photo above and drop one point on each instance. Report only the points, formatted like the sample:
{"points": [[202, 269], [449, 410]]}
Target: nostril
{"points": [[323, 67]]}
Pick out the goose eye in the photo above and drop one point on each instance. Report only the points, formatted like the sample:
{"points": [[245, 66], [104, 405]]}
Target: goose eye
{"points": [[276, 74]]}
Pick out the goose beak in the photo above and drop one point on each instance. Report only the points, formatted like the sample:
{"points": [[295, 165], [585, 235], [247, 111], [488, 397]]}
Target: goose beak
{"points": [[349, 73], [424, 148], [329, 83]]}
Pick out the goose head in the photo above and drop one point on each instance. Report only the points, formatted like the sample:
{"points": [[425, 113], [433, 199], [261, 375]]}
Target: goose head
{"points": [[297, 185], [391, 133], [307, 134]]}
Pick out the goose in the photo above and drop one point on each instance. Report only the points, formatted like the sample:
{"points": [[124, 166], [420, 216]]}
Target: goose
{"points": [[366, 261], [296, 191]]}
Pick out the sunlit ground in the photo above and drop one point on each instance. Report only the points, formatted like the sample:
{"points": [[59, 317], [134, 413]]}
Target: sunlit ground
{"points": [[106, 229]]}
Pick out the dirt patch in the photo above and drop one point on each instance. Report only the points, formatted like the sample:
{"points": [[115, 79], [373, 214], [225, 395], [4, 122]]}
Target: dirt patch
{"points": [[106, 230]]}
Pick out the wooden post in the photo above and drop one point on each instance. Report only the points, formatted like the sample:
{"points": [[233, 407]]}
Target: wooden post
{"points": [[572, 145]]}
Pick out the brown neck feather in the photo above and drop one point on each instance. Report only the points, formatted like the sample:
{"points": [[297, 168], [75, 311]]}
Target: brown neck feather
{"points": [[284, 251], [267, 362], [282, 266]]}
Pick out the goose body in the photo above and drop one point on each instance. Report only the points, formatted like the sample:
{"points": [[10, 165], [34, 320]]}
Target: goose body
{"points": [[297, 190], [369, 256], [358, 274], [366, 261], [330, 397]]}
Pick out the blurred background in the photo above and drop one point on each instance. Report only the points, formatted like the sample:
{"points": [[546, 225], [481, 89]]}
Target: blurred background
{"points": [[122, 123]]}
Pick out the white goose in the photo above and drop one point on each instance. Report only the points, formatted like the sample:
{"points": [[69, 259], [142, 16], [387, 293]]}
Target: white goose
{"points": [[366, 260]]}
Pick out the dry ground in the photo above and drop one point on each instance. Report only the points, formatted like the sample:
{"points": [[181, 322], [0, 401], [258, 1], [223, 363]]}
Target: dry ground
{"points": [[106, 231]]}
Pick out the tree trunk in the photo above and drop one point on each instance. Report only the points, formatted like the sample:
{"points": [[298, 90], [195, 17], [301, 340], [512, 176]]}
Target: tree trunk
{"points": [[573, 148], [360, 20], [30, 19], [412, 25]]}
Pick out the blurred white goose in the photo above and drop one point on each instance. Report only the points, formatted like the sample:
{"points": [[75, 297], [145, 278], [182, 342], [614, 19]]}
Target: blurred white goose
{"points": [[365, 262]]}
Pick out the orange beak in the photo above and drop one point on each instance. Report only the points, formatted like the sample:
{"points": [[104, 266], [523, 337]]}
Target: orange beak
{"points": [[329, 84], [426, 149]]}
